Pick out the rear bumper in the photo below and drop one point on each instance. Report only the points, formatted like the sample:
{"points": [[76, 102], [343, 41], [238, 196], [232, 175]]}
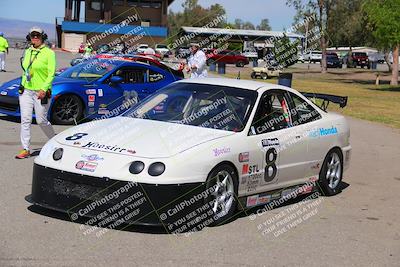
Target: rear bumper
{"points": [[102, 201]]}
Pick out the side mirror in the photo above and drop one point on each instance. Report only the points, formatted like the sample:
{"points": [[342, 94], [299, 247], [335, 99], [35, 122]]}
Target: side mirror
{"points": [[116, 79]]}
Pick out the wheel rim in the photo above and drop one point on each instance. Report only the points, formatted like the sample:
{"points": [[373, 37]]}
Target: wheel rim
{"points": [[66, 109], [334, 171], [223, 194]]}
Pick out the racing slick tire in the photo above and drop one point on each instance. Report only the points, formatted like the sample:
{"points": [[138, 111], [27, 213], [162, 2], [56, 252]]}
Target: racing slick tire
{"points": [[331, 173], [66, 110], [223, 200]]}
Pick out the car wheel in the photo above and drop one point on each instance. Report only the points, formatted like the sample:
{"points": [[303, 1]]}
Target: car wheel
{"points": [[253, 75], [264, 76], [66, 110], [331, 173], [223, 200], [240, 64]]}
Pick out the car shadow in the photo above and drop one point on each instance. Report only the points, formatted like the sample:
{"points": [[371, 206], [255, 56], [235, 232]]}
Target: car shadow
{"points": [[147, 229], [298, 199]]}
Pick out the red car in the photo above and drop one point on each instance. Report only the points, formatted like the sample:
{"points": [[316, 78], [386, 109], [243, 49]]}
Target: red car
{"points": [[358, 59], [228, 57]]}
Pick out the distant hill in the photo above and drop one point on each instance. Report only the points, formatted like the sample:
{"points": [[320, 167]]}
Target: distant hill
{"points": [[13, 28]]}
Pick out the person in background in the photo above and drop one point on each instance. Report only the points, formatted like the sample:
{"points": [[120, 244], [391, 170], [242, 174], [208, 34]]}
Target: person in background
{"points": [[3, 50], [88, 50], [149, 51], [197, 62], [39, 66], [81, 49]]}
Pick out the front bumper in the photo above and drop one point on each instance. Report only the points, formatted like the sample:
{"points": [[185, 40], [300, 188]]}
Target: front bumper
{"points": [[102, 199]]}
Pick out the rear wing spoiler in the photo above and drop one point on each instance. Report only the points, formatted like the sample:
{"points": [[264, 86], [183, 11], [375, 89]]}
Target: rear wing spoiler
{"points": [[326, 99]]}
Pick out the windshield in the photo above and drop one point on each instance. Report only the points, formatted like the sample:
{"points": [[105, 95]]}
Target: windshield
{"points": [[89, 70], [201, 105]]}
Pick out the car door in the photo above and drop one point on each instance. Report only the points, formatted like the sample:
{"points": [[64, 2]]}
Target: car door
{"points": [[132, 88], [308, 120], [277, 152]]}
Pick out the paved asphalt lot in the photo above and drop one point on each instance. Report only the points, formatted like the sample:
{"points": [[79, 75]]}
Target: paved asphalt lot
{"points": [[358, 227]]}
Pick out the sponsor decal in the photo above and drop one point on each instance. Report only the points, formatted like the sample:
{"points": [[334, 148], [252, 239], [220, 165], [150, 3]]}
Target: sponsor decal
{"points": [[93, 157], [263, 199], [90, 104], [77, 143], [112, 148], [91, 110], [276, 195], [250, 169], [244, 157], [103, 111], [323, 132], [102, 105], [100, 92], [253, 169], [287, 192], [251, 201], [270, 142], [220, 151], [305, 189], [253, 181], [91, 98], [3, 93], [90, 92], [245, 168], [86, 166]]}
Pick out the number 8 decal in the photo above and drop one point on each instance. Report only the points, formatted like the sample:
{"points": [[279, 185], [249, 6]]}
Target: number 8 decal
{"points": [[75, 136], [270, 168]]}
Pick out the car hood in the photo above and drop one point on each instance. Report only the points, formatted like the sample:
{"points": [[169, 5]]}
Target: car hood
{"points": [[10, 88], [138, 137]]}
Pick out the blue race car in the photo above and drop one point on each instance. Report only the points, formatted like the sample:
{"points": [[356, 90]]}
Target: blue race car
{"points": [[97, 88]]}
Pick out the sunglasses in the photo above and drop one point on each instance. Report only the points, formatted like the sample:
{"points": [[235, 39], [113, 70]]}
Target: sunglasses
{"points": [[35, 35]]}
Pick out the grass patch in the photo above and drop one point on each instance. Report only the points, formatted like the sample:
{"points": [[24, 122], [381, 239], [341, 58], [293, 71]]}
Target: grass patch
{"points": [[368, 102]]}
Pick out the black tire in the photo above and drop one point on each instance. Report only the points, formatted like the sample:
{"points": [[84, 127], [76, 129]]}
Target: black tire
{"points": [[264, 76], [253, 75], [240, 64], [326, 185], [66, 110], [215, 176]]}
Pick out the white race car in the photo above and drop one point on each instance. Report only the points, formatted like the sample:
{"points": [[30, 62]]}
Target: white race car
{"points": [[221, 146]]}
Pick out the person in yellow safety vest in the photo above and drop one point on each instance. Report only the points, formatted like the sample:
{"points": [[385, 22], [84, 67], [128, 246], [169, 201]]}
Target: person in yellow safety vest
{"points": [[88, 51], [39, 66], [3, 50]]}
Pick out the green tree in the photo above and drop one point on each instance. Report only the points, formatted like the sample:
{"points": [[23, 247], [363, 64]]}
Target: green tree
{"points": [[194, 15], [248, 26], [238, 24], [285, 51], [264, 25], [321, 9], [384, 18]]}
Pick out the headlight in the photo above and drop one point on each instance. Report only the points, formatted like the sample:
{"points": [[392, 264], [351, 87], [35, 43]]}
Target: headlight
{"points": [[57, 155], [136, 167], [156, 168]]}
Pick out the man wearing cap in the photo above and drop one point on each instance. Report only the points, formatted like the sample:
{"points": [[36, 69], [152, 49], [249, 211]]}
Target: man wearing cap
{"points": [[197, 62], [3, 50], [39, 66]]}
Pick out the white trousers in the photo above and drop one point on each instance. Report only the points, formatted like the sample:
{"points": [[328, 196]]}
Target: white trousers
{"points": [[27, 102], [2, 60]]}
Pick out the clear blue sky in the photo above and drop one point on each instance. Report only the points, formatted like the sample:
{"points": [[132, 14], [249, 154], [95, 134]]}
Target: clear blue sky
{"points": [[279, 15]]}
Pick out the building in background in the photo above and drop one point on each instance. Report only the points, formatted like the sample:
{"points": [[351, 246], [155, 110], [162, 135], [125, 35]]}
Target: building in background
{"points": [[107, 21]]}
